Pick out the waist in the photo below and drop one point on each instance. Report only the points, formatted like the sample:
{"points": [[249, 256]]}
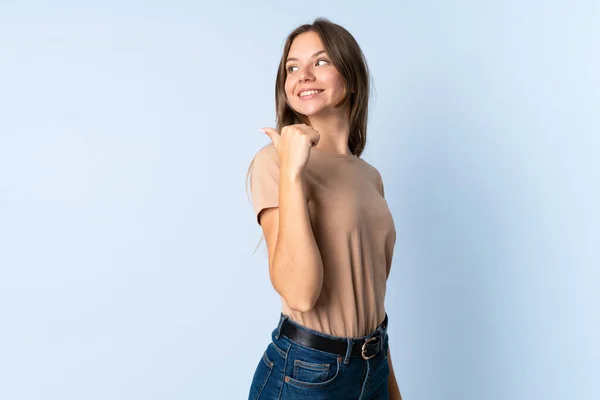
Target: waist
{"points": [[365, 346], [337, 321]]}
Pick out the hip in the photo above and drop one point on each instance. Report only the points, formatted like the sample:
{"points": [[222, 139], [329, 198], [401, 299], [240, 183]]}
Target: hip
{"points": [[310, 364]]}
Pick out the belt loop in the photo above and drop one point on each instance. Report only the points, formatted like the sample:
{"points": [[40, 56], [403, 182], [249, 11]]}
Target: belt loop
{"points": [[383, 328], [348, 351], [282, 318]]}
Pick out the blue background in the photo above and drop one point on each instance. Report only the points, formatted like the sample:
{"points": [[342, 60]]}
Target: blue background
{"points": [[126, 238]]}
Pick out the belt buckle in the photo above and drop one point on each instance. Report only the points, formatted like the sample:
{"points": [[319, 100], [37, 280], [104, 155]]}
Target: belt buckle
{"points": [[363, 348]]}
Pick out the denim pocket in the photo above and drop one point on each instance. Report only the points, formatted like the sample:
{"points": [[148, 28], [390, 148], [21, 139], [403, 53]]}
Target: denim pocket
{"points": [[309, 368], [310, 372], [267, 361]]}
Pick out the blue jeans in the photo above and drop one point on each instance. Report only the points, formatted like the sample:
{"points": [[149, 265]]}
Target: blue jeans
{"points": [[290, 371]]}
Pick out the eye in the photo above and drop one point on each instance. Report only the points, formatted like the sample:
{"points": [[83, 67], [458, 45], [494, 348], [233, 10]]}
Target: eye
{"points": [[289, 69]]}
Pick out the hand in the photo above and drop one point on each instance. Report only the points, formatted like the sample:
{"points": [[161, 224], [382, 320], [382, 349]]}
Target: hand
{"points": [[293, 146]]}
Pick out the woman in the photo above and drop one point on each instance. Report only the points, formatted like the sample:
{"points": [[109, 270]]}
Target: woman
{"points": [[329, 232]]}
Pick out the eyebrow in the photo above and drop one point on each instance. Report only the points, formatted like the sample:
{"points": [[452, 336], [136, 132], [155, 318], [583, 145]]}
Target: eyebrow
{"points": [[314, 55]]}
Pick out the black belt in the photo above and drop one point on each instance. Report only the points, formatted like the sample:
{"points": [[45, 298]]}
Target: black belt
{"points": [[366, 348]]}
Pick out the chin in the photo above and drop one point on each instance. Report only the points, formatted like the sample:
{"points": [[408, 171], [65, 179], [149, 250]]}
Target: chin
{"points": [[308, 111]]}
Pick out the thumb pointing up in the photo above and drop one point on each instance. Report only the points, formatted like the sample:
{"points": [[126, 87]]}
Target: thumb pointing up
{"points": [[273, 134]]}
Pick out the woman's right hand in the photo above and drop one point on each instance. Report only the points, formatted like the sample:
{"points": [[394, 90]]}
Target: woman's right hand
{"points": [[293, 146]]}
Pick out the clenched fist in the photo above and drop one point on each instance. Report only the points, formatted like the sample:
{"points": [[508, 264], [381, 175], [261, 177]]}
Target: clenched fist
{"points": [[293, 146]]}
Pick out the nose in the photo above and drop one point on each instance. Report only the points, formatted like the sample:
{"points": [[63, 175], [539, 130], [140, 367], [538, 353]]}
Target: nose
{"points": [[305, 75]]}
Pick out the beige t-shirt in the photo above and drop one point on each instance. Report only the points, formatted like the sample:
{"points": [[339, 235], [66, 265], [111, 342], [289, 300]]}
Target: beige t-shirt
{"points": [[353, 229]]}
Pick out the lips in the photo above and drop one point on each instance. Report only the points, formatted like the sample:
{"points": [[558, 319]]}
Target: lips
{"points": [[308, 90]]}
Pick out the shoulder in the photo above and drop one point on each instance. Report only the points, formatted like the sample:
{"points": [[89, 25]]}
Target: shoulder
{"points": [[374, 176], [267, 155], [265, 165], [370, 168]]}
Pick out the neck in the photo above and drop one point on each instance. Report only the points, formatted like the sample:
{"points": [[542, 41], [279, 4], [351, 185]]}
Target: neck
{"points": [[334, 131]]}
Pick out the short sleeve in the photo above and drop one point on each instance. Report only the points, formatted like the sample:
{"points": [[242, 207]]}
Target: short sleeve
{"points": [[264, 180]]}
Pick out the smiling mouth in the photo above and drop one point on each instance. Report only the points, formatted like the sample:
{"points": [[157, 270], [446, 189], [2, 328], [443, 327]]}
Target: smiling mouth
{"points": [[309, 93]]}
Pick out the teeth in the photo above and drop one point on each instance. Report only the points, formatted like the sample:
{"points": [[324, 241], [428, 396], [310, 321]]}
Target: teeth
{"points": [[309, 92]]}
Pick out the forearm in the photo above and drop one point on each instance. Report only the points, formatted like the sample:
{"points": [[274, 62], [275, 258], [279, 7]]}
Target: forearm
{"points": [[297, 263]]}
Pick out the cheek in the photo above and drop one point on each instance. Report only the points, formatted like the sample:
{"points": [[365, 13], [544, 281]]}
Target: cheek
{"points": [[339, 83], [335, 82], [288, 90]]}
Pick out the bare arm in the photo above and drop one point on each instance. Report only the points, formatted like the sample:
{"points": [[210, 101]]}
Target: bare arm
{"points": [[295, 265]]}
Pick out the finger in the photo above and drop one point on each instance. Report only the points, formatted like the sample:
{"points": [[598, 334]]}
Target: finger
{"points": [[315, 140], [273, 134], [313, 135]]}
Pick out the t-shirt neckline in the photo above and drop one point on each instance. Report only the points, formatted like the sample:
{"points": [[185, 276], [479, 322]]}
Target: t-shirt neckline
{"points": [[333, 154]]}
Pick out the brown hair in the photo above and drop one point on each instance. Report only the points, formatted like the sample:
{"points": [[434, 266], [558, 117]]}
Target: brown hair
{"points": [[350, 62]]}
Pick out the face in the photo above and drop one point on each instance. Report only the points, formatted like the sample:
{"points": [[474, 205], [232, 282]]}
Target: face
{"points": [[309, 67]]}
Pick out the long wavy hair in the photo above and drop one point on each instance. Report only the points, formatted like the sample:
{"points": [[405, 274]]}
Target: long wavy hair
{"points": [[350, 62]]}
